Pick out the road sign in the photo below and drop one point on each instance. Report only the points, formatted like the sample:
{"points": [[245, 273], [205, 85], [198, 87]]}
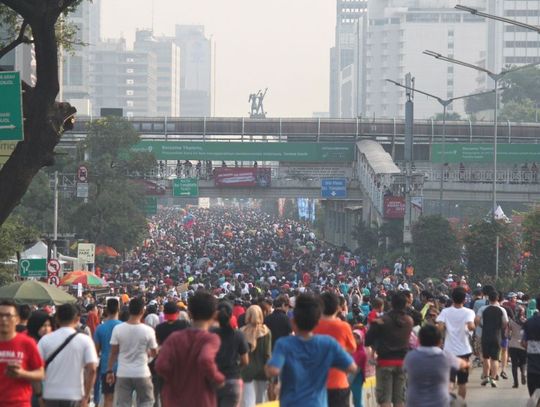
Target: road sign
{"points": [[334, 188], [53, 267], [11, 120], [86, 252], [36, 268], [187, 187], [82, 174], [54, 280], [82, 190]]}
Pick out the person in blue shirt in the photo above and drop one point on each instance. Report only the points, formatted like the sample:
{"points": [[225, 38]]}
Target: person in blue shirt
{"points": [[302, 361], [102, 339]]}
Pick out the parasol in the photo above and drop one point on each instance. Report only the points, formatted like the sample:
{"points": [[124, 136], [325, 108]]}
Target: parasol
{"points": [[86, 278]]}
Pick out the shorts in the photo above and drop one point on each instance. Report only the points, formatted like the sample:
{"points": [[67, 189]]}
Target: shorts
{"points": [[462, 376], [106, 388], [491, 350], [390, 385], [504, 343], [339, 397]]}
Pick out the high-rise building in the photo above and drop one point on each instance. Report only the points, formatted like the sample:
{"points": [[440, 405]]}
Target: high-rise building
{"points": [[347, 59], [21, 59], [123, 79], [168, 70], [195, 71], [398, 32], [75, 63], [508, 44]]}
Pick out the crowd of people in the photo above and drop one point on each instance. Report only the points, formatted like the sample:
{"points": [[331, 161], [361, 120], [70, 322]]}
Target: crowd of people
{"points": [[230, 307]]}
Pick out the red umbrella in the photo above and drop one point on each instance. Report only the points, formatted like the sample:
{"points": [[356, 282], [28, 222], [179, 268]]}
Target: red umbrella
{"points": [[86, 278]]}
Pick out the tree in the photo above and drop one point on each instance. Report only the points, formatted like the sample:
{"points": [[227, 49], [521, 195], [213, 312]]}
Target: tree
{"points": [[39, 23], [480, 246], [449, 116], [521, 86], [435, 246], [13, 237], [531, 244], [112, 215], [525, 110], [367, 238]]}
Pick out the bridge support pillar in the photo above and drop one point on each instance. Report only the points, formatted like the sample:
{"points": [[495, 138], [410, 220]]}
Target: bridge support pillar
{"points": [[340, 219]]}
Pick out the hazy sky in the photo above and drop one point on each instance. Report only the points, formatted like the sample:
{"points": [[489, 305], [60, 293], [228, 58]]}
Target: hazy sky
{"points": [[280, 44]]}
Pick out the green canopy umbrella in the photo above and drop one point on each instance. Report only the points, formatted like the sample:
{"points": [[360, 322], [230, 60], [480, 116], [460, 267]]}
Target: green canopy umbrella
{"points": [[35, 292]]}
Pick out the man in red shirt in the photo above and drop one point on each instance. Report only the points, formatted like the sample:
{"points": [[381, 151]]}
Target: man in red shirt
{"points": [[329, 324], [187, 360], [20, 362]]}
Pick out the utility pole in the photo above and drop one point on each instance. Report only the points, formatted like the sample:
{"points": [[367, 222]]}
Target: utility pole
{"points": [[409, 120]]}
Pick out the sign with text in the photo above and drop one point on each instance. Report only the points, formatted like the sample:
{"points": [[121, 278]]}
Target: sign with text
{"points": [[483, 153], [6, 148], [36, 268], [394, 207], [186, 187], [242, 177], [11, 118], [334, 188], [248, 151], [86, 252]]}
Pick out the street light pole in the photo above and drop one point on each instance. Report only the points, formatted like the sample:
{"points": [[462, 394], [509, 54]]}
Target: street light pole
{"points": [[498, 18], [444, 103]]}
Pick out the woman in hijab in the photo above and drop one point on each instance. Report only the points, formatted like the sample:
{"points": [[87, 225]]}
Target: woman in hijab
{"points": [[259, 339], [518, 354], [39, 325]]}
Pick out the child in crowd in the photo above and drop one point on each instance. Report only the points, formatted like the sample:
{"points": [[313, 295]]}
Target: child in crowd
{"points": [[360, 358]]}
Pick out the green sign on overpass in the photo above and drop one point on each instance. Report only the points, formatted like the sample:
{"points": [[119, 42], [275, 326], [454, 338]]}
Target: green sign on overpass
{"points": [[248, 151], [11, 123], [483, 153]]}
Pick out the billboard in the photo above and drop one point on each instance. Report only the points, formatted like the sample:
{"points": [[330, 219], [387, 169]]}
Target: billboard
{"points": [[394, 207], [242, 177], [248, 151], [483, 153]]}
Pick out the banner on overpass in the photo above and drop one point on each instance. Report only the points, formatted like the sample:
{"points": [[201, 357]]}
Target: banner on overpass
{"points": [[248, 151], [242, 177], [483, 153], [394, 207]]}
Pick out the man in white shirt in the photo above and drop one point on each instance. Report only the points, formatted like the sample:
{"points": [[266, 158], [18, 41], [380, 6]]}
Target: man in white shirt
{"points": [[70, 376], [458, 321], [131, 343]]}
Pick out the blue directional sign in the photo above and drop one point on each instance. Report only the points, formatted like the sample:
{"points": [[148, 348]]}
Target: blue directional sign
{"points": [[334, 188]]}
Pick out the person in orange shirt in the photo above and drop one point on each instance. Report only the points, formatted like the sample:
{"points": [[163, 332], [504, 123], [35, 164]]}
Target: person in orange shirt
{"points": [[337, 384]]}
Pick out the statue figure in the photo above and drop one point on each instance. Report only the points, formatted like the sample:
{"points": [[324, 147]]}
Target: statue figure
{"points": [[257, 108]]}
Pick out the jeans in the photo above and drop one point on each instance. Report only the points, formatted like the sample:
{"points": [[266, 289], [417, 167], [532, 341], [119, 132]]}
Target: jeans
{"points": [[125, 386], [356, 389], [62, 403], [254, 393], [230, 394]]}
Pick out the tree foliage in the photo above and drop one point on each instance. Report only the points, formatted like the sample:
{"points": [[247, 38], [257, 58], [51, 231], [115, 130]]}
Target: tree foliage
{"points": [[531, 244], [449, 116], [367, 238], [435, 246], [481, 249]]}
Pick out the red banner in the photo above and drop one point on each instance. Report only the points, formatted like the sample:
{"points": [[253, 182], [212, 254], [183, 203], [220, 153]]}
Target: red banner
{"points": [[394, 207], [242, 177]]}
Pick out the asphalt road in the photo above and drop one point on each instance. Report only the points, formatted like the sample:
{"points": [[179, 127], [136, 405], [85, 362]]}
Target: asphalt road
{"points": [[502, 396]]}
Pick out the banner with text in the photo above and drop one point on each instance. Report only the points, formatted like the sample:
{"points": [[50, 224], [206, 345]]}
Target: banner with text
{"points": [[248, 151], [394, 207], [483, 153], [242, 177]]}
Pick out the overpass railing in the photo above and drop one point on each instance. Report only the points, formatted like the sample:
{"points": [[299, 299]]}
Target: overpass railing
{"points": [[506, 176]]}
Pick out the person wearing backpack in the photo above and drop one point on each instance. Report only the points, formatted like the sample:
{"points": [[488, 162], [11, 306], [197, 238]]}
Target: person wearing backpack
{"points": [[70, 362]]}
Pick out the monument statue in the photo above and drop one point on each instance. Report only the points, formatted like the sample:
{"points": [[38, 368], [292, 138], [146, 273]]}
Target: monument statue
{"points": [[257, 108]]}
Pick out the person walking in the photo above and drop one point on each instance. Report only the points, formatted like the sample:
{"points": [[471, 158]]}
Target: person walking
{"points": [[493, 320], [102, 339], [70, 361], [131, 343], [259, 339], [278, 322], [531, 342], [232, 355], [428, 368], [456, 322], [187, 359], [329, 324], [518, 354], [390, 339], [303, 360], [20, 362]]}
